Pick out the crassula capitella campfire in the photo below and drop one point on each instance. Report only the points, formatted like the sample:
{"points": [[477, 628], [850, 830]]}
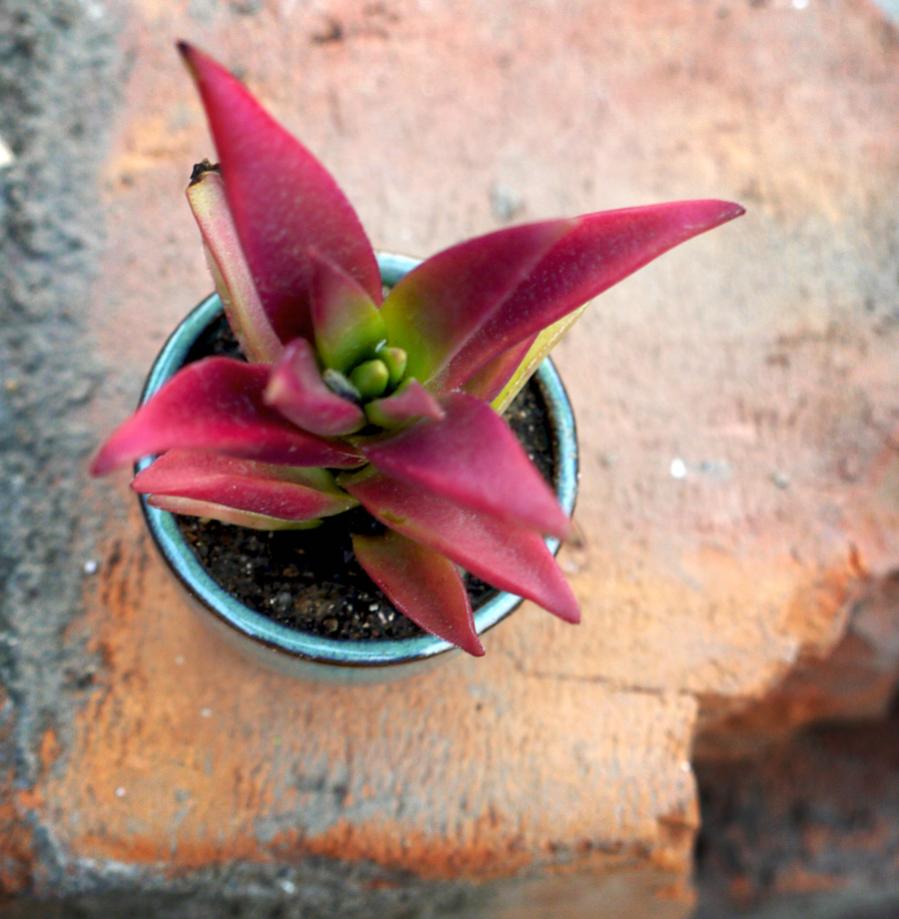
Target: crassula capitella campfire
{"points": [[351, 397]]}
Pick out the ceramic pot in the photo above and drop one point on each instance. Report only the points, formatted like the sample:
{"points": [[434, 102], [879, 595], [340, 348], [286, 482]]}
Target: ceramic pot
{"points": [[313, 656]]}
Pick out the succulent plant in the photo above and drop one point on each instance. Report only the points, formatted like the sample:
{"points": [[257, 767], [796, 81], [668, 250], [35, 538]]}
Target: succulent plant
{"points": [[349, 397]]}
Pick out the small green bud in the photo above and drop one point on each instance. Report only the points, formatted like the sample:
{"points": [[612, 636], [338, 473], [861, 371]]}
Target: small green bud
{"points": [[370, 378], [396, 360]]}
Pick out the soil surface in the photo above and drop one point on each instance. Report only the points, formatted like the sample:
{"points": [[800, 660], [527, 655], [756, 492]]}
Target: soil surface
{"points": [[309, 579]]}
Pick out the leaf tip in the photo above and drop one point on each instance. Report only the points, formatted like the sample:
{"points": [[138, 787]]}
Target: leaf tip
{"points": [[202, 169], [187, 52], [473, 647], [275, 389], [568, 610], [139, 484], [108, 457], [100, 464], [730, 210], [562, 526]]}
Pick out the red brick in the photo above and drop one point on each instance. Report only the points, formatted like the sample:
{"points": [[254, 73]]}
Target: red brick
{"points": [[763, 356]]}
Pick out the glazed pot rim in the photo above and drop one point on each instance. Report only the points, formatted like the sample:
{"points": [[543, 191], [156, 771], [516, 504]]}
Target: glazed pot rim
{"points": [[307, 646]]}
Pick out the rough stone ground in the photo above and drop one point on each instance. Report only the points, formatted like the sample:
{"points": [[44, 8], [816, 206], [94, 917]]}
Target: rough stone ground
{"points": [[810, 829], [59, 70], [739, 510]]}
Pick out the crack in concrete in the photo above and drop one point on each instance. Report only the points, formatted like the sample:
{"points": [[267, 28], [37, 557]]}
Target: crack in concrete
{"points": [[596, 679]]}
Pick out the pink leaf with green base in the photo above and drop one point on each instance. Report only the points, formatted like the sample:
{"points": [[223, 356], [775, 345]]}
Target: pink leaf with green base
{"points": [[217, 404], [241, 491], [422, 584], [347, 323], [473, 459], [282, 200], [410, 403], [436, 308], [508, 557], [233, 281], [598, 251], [296, 390]]}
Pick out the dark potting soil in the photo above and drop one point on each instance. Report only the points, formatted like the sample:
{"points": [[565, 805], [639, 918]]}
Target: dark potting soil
{"points": [[309, 579]]}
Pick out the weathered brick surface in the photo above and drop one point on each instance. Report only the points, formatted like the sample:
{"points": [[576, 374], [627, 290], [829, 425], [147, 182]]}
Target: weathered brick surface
{"points": [[553, 774], [856, 680]]}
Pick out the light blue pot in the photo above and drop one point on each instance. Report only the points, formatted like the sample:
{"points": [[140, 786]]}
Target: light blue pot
{"points": [[300, 653]]}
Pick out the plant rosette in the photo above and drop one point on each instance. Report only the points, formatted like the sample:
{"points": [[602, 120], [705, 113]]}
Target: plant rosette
{"points": [[350, 398], [302, 653]]}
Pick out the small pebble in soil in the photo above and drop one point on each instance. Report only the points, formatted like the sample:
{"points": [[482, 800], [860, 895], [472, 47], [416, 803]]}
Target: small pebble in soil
{"points": [[781, 479], [570, 565], [678, 468]]}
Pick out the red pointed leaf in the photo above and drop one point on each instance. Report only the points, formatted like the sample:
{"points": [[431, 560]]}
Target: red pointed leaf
{"points": [[436, 308], [233, 281], [273, 491], [409, 403], [598, 251], [348, 326], [508, 557], [472, 458], [191, 507], [216, 404], [282, 200], [296, 389], [422, 584]]}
